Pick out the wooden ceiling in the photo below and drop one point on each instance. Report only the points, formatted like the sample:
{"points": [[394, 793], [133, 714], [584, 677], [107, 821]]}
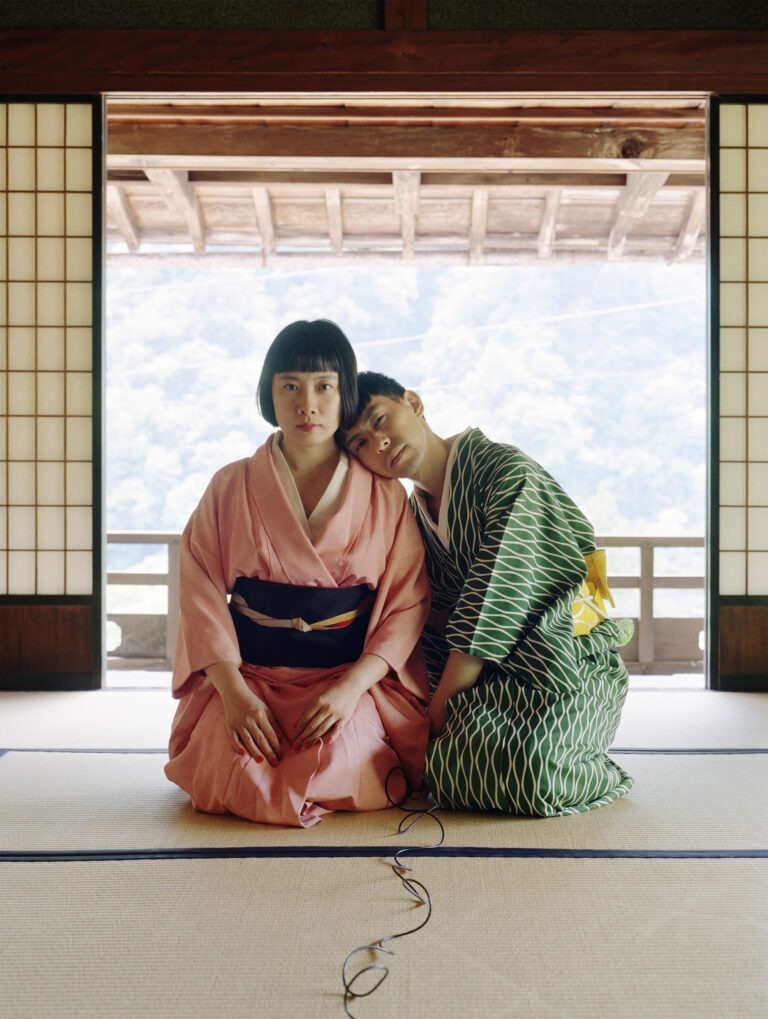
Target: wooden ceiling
{"points": [[449, 179]]}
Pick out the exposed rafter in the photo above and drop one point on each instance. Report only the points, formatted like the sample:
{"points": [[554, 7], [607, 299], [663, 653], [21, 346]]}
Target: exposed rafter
{"points": [[175, 189], [692, 228], [462, 177], [406, 188], [120, 210], [264, 220], [548, 224], [335, 228], [479, 225], [636, 198]]}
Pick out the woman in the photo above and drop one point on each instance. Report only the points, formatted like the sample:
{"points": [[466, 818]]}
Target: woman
{"points": [[305, 691]]}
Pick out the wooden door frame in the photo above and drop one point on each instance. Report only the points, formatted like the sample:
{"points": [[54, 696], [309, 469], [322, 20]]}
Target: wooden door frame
{"points": [[94, 62]]}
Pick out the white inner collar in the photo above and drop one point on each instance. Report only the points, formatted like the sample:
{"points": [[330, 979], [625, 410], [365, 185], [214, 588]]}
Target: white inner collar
{"points": [[440, 527], [329, 501]]}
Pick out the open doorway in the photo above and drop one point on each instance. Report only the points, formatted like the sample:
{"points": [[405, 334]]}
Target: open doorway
{"points": [[533, 266]]}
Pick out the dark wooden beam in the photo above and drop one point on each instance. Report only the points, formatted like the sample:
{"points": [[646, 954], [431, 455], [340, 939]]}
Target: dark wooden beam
{"points": [[68, 62]]}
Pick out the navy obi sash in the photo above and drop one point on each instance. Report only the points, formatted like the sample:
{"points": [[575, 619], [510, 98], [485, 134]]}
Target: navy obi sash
{"points": [[300, 627]]}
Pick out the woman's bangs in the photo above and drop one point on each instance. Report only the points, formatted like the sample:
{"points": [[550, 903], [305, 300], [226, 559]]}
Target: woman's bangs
{"points": [[305, 357]]}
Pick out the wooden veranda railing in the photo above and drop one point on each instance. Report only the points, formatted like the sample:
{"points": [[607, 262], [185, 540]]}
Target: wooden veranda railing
{"points": [[660, 645]]}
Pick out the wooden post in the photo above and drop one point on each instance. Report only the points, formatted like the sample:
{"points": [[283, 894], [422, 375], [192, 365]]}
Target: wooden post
{"points": [[645, 635], [174, 610]]}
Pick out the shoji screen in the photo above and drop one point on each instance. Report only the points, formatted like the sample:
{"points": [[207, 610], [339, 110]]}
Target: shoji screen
{"points": [[740, 358], [50, 446]]}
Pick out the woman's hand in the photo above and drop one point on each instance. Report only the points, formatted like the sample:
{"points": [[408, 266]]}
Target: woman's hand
{"points": [[327, 714], [252, 727]]}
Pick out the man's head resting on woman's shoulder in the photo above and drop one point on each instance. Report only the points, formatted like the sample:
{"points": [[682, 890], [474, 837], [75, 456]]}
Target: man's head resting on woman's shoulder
{"points": [[390, 434]]}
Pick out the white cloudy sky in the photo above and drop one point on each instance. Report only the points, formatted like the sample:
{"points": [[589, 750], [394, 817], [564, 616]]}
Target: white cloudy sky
{"points": [[596, 371]]}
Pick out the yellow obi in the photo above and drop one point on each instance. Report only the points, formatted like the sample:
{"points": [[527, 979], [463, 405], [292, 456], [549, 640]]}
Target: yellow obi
{"points": [[589, 605]]}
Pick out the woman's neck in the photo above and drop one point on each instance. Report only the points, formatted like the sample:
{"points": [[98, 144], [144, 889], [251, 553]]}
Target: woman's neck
{"points": [[307, 460], [311, 469]]}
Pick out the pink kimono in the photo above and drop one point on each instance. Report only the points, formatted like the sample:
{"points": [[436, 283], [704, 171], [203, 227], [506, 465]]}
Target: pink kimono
{"points": [[245, 526]]}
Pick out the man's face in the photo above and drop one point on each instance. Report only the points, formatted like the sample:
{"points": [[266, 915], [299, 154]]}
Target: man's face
{"points": [[389, 437]]}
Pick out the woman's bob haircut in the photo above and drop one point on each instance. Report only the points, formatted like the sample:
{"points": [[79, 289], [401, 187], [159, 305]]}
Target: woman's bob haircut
{"points": [[310, 347]]}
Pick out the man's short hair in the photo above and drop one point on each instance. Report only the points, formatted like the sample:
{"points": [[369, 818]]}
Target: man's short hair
{"points": [[370, 384]]}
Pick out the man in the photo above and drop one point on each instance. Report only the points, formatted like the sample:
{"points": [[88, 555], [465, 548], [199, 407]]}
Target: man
{"points": [[526, 696]]}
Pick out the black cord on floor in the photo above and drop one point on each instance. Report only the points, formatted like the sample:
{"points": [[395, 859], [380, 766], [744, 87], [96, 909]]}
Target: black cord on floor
{"points": [[414, 887]]}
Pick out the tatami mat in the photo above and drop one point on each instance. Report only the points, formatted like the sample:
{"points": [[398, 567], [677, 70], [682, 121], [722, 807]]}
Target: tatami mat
{"points": [[527, 937], [86, 719], [658, 719], [266, 938], [141, 719], [111, 802]]}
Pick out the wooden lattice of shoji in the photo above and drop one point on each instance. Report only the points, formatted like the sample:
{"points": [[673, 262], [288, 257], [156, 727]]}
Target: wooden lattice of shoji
{"points": [[741, 313], [46, 449]]}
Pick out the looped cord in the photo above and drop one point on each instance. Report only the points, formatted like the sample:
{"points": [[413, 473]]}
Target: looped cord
{"points": [[415, 888]]}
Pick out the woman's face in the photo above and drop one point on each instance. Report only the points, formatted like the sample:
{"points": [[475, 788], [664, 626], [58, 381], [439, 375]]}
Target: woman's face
{"points": [[307, 406]]}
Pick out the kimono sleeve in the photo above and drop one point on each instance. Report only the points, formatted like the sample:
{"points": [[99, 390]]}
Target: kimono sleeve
{"points": [[515, 607], [402, 602], [206, 631]]}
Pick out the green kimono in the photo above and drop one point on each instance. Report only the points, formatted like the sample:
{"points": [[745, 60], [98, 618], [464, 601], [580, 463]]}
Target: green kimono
{"points": [[530, 737]]}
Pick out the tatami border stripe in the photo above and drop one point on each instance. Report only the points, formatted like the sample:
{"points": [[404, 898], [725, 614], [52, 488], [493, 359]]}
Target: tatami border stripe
{"points": [[87, 750], [335, 852], [163, 750], [689, 750]]}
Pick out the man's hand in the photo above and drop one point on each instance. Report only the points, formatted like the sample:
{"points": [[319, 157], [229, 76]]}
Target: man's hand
{"points": [[438, 715], [460, 673]]}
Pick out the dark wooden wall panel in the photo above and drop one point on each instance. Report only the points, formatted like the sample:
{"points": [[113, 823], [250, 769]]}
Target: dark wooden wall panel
{"points": [[744, 640], [43, 639]]}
